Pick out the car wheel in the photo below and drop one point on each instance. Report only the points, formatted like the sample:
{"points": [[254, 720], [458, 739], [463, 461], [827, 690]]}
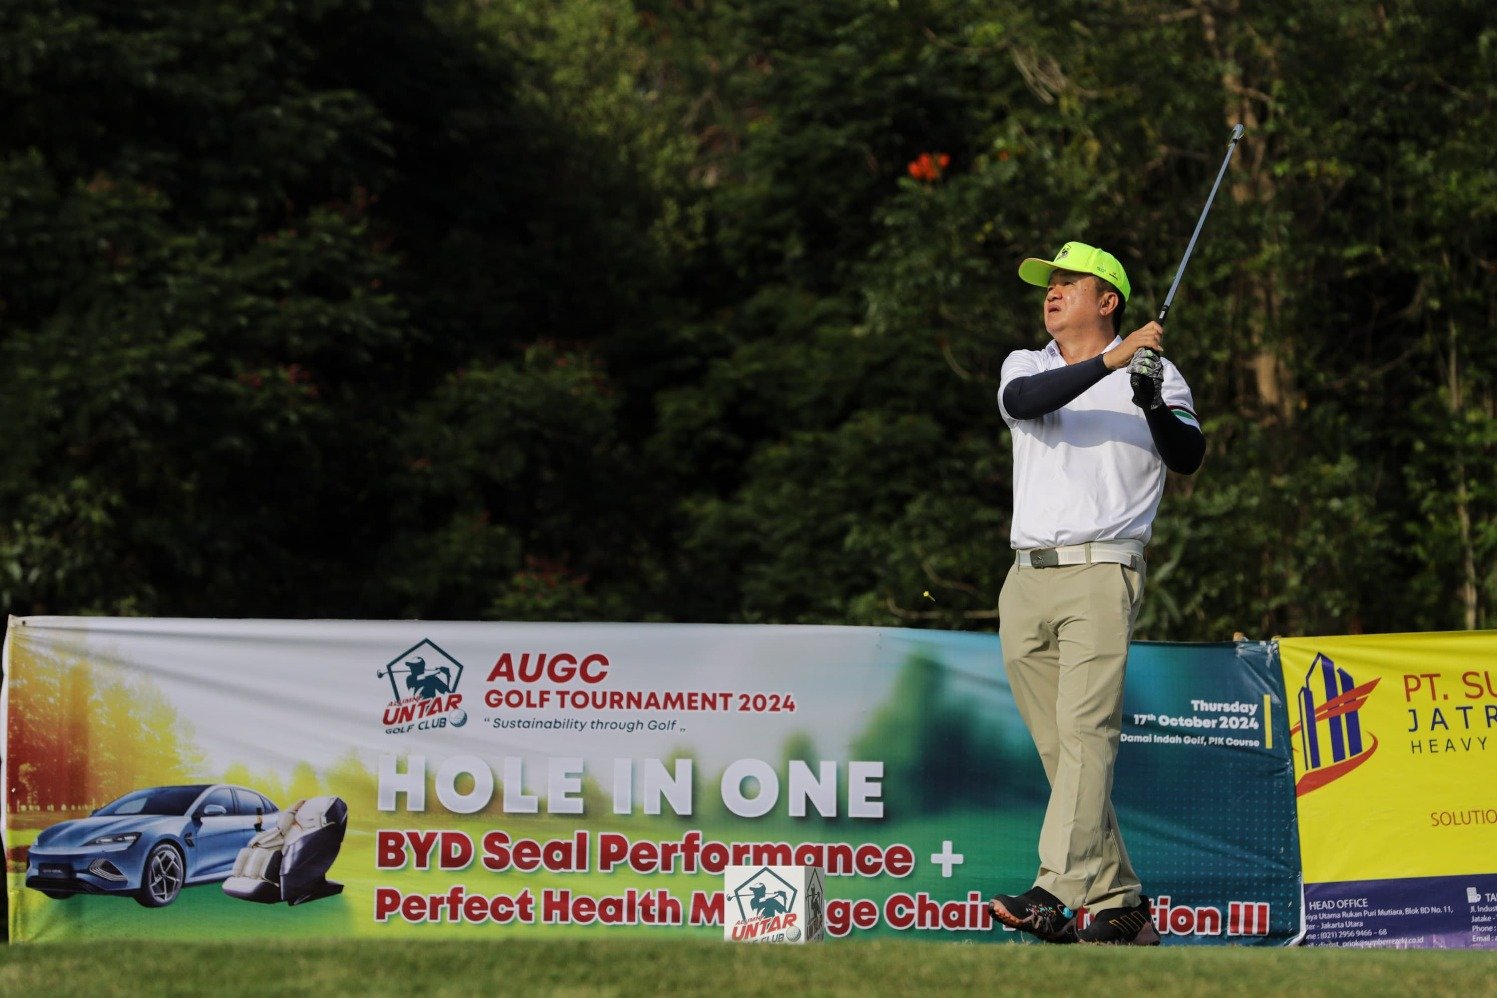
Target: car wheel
{"points": [[163, 877], [59, 895]]}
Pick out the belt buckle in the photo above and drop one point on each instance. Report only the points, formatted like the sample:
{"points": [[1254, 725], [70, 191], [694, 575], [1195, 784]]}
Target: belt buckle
{"points": [[1044, 558]]}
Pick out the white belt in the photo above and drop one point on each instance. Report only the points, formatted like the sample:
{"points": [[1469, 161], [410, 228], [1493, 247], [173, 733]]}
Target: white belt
{"points": [[1120, 552]]}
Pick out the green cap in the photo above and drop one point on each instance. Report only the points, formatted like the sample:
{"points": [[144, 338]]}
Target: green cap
{"points": [[1082, 259]]}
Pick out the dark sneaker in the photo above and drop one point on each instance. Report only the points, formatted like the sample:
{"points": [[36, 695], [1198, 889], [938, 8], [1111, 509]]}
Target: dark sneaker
{"points": [[1037, 912], [1122, 927]]}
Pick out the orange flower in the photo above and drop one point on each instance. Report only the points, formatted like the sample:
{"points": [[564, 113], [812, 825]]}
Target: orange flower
{"points": [[928, 167]]}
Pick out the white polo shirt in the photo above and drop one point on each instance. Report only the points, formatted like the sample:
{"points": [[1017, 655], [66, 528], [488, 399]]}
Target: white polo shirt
{"points": [[1088, 471]]}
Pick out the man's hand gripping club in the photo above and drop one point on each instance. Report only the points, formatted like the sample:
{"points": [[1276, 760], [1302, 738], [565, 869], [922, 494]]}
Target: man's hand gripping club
{"points": [[1140, 354], [1146, 374]]}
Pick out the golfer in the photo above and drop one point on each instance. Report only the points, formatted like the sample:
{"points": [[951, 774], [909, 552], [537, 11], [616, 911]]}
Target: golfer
{"points": [[1096, 418]]}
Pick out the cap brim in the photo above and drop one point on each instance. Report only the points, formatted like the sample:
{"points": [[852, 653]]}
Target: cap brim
{"points": [[1037, 272]]}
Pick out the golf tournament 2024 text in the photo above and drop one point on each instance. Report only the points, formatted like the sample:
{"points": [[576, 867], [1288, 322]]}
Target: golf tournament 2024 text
{"points": [[517, 681]]}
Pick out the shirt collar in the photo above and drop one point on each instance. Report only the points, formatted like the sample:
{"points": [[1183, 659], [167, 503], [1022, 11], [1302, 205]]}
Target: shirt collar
{"points": [[1052, 348]]}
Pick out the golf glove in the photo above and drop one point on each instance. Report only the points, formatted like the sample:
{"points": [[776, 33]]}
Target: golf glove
{"points": [[1146, 373]]}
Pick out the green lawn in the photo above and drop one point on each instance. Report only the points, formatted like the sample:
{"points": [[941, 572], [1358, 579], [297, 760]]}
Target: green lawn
{"points": [[639, 967]]}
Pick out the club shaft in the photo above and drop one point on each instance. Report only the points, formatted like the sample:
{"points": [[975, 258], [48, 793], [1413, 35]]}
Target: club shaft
{"points": [[1170, 297]]}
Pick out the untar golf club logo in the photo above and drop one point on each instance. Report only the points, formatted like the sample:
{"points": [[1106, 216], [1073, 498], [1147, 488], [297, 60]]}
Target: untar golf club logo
{"points": [[1331, 740], [423, 690], [765, 905]]}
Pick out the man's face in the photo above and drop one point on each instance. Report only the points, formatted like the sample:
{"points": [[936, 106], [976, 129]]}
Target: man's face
{"points": [[1075, 302]]}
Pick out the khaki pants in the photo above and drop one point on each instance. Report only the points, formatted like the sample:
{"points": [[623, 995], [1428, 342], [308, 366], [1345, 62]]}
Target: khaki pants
{"points": [[1065, 634]]}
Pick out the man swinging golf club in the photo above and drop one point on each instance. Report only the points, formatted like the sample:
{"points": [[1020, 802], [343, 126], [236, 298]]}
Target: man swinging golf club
{"points": [[1096, 418]]}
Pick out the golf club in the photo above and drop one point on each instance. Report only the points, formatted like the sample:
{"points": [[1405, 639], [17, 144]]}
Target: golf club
{"points": [[1170, 296], [1190, 247]]}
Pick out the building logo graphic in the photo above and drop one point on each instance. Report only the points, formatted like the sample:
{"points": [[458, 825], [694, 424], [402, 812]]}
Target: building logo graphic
{"points": [[423, 690], [1331, 740]]}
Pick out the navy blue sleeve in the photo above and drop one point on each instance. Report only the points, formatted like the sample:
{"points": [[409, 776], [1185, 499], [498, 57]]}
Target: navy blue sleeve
{"points": [[1182, 446], [1035, 395]]}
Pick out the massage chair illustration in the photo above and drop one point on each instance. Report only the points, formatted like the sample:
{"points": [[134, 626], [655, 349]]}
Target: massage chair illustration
{"points": [[288, 861]]}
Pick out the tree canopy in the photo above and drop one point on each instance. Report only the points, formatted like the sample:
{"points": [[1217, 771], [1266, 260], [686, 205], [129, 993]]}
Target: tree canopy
{"points": [[682, 310]]}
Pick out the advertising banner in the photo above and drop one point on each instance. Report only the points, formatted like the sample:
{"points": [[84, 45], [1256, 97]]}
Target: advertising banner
{"points": [[1395, 751], [220, 778]]}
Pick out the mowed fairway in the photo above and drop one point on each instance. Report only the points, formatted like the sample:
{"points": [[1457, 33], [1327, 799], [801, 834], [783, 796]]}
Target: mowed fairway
{"points": [[635, 967]]}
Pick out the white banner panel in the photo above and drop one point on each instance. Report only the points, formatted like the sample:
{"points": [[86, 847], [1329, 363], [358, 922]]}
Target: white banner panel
{"points": [[336, 778]]}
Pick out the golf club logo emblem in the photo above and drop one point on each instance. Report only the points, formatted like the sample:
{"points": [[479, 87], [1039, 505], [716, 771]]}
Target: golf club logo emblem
{"points": [[423, 690], [1331, 740], [765, 904]]}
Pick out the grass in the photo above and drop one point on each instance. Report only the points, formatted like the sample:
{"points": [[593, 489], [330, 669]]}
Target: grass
{"points": [[638, 967], [276, 953]]}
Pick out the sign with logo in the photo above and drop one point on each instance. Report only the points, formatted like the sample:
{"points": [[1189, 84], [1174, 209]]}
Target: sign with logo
{"points": [[774, 904], [1395, 754], [423, 694], [1328, 724], [1205, 740], [210, 778]]}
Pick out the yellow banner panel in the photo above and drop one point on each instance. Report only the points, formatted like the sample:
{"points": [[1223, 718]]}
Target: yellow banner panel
{"points": [[1394, 738]]}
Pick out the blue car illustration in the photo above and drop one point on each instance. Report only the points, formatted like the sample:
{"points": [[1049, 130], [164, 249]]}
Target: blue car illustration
{"points": [[149, 843]]}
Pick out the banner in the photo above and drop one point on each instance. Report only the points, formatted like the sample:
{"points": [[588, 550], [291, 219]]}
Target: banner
{"points": [[219, 778], [1395, 751], [1204, 789]]}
